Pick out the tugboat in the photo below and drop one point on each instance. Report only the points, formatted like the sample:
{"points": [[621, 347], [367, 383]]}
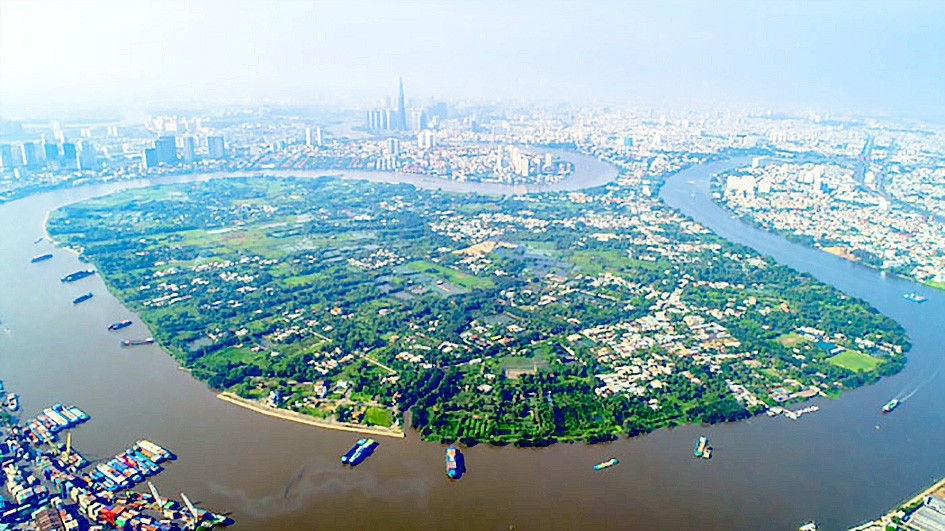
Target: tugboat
{"points": [[891, 405], [606, 464], [119, 325]]}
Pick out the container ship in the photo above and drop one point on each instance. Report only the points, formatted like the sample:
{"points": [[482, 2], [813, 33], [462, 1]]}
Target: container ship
{"points": [[136, 342], [891, 405], [82, 298], [606, 464], [78, 275], [41, 258], [453, 470], [914, 297], [119, 325], [700, 446]]}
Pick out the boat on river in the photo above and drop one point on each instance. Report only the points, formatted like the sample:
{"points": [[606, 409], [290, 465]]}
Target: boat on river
{"points": [[362, 452], [119, 325], [914, 297], [82, 298], [606, 464], [346, 457], [700, 446], [78, 275], [891, 405], [41, 258], [136, 342], [453, 456]]}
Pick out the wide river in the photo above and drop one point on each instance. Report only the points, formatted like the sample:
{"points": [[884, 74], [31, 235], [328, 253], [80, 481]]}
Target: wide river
{"points": [[841, 465]]}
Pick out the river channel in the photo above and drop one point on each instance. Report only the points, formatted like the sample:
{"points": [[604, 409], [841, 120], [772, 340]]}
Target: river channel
{"points": [[844, 464]]}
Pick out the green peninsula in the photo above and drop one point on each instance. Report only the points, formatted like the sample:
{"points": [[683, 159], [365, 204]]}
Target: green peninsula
{"points": [[516, 319]]}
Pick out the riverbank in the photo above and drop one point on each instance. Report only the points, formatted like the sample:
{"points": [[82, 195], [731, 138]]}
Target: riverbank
{"points": [[305, 419], [891, 519]]}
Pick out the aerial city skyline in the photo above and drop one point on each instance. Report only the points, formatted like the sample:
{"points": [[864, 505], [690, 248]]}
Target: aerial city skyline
{"points": [[323, 265]]}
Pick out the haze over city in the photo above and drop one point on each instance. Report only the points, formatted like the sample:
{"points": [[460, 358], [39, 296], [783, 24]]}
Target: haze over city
{"points": [[70, 58]]}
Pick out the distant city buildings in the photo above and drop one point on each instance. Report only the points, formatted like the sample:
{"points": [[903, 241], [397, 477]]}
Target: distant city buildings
{"points": [[215, 147], [398, 118]]}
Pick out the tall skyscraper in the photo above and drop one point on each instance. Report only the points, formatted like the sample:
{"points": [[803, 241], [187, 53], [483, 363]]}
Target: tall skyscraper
{"points": [[215, 147], [6, 157], [308, 137], [393, 147], [401, 123], [87, 155], [51, 153], [188, 152], [166, 147], [426, 139], [30, 154], [70, 158], [149, 158]]}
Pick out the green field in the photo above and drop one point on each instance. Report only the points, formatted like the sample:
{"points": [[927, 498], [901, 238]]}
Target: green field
{"points": [[463, 280], [854, 361], [791, 339], [378, 416]]}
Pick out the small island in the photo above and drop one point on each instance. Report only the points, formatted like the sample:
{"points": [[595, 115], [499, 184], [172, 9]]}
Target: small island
{"points": [[528, 319]]}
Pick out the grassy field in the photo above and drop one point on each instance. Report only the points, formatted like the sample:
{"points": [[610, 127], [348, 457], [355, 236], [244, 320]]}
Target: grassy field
{"points": [[463, 280], [791, 339], [854, 361], [378, 416]]}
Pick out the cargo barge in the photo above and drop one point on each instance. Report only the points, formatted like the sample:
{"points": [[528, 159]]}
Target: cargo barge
{"points": [[606, 464], [453, 462], [78, 275], [701, 446], [119, 325], [914, 297], [136, 342], [346, 457], [41, 258], [359, 452], [82, 298]]}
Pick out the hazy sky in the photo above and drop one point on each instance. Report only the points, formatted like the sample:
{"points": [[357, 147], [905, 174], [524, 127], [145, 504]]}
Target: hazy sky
{"points": [[865, 56]]}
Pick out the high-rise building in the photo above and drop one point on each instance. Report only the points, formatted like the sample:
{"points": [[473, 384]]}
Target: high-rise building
{"points": [[6, 157], [166, 147], [401, 118], [51, 153], [215, 147], [70, 158], [393, 147], [395, 119], [30, 154], [149, 158], [318, 137], [308, 137], [416, 119], [426, 139], [188, 151], [87, 155]]}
